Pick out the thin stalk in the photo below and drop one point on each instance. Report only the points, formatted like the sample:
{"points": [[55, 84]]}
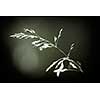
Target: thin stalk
{"points": [[69, 53], [61, 51]]}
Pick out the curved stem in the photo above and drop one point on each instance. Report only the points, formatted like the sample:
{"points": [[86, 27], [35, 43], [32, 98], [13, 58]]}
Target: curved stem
{"points": [[61, 51], [54, 45]]}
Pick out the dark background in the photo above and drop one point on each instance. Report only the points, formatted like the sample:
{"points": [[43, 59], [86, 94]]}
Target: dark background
{"points": [[9, 73]]}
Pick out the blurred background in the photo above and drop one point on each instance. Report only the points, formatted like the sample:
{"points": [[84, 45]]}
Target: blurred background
{"points": [[20, 62]]}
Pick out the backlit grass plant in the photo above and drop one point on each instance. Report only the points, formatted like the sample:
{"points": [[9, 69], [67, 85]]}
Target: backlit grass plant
{"points": [[41, 44]]}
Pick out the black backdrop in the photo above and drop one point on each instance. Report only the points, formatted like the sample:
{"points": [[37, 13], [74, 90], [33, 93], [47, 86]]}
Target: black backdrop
{"points": [[8, 73]]}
